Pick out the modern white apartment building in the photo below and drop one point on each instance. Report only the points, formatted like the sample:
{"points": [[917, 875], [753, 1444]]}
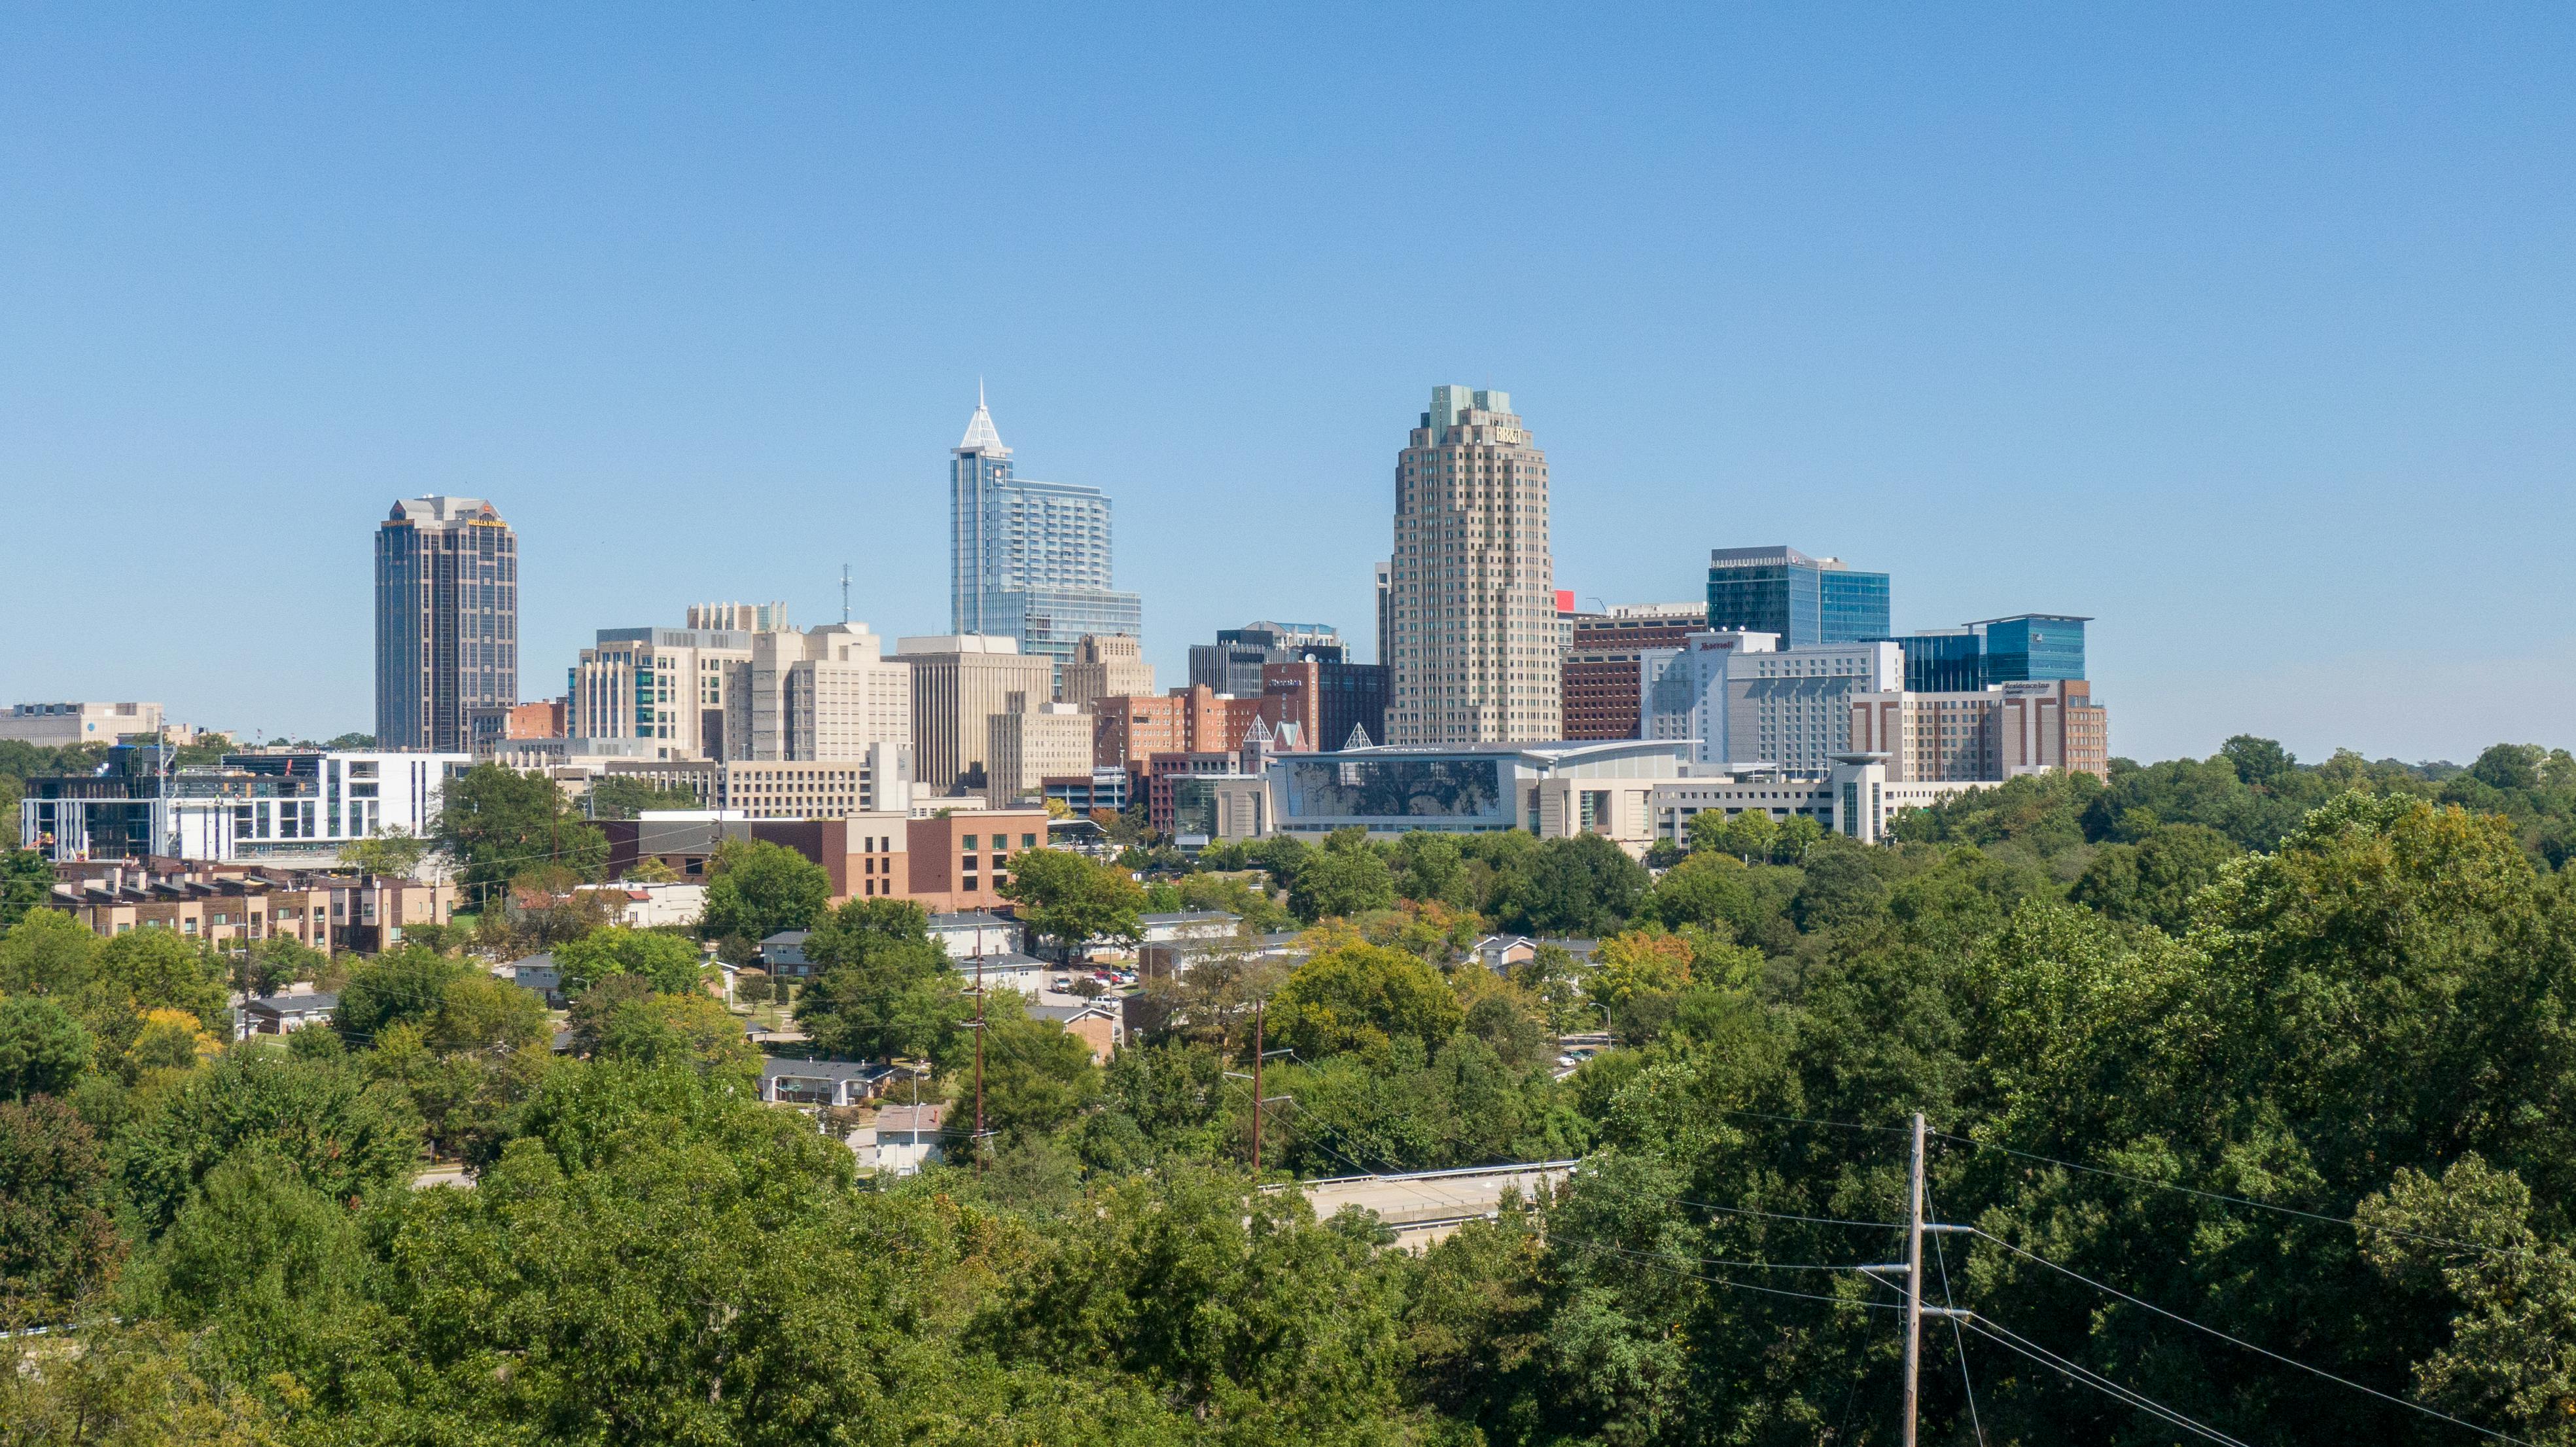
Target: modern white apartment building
{"points": [[1749, 701], [1472, 587], [281, 806], [52, 725]]}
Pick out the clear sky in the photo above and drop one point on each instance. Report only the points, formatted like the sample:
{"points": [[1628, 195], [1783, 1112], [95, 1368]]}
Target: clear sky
{"points": [[2245, 329]]}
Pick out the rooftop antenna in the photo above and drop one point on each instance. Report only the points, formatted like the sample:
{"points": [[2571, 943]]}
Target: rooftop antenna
{"points": [[845, 592]]}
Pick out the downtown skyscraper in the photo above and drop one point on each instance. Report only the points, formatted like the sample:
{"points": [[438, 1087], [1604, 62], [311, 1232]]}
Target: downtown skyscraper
{"points": [[1028, 560], [447, 620], [1472, 585]]}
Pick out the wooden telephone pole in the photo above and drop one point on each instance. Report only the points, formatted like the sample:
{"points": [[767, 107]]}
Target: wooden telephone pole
{"points": [[1913, 1279], [1256, 1092], [979, 1066]]}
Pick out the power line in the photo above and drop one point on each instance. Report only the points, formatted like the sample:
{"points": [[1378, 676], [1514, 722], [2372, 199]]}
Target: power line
{"points": [[1942, 1258], [1786, 1216], [2343, 1221], [1897, 1130], [2081, 1375], [2240, 1341], [1843, 1301]]}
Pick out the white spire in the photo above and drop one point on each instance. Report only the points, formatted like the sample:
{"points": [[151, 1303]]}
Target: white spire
{"points": [[980, 436]]}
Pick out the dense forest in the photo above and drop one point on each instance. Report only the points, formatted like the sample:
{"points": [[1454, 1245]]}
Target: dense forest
{"points": [[2248, 1083]]}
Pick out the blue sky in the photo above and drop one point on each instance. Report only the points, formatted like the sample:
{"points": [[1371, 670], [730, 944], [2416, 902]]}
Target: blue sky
{"points": [[2245, 329]]}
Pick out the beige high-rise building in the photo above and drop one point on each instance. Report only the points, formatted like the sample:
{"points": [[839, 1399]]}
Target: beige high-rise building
{"points": [[1031, 742], [825, 694], [668, 685], [1106, 665], [1987, 734], [1473, 588], [959, 681]]}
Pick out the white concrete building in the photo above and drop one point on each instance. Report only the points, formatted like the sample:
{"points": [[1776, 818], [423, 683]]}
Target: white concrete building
{"points": [[1746, 700], [52, 725], [970, 933], [653, 906], [286, 806], [1855, 798]]}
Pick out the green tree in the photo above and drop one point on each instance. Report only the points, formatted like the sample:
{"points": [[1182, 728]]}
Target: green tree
{"points": [[1073, 900], [1430, 868], [127, 1386], [1232, 1304], [2152, 882], [58, 1239], [621, 797], [404, 984], [1797, 834], [2463, 1244], [270, 964], [1347, 877], [2259, 762], [666, 961], [270, 1269], [620, 1019], [1583, 886], [393, 854], [882, 989], [156, 969], [501, 824], [1361, 997], [347, 1137], [47, 953], [1749, 835], [1036, 1076], [478, 1014], [26, 880], [756, 888], [43, 1049], [1841, 887]]}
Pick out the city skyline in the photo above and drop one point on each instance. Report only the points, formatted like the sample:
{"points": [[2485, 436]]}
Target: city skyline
{"points": [[2203, 330]]}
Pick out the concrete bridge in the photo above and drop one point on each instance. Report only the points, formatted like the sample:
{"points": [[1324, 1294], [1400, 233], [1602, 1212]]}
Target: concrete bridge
{"points": [[1424, 1206]]}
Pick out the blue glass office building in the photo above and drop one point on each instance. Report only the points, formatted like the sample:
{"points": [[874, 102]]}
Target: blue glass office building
{"points": [[1805, 600], [1028, 559], [2028, 647]]}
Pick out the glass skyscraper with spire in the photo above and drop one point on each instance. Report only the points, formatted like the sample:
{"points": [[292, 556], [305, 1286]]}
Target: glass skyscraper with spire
{"points": [[1028, 560]]}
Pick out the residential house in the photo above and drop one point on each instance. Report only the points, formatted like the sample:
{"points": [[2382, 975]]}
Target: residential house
{"points": [[285, 1014], [822, 1082], [907, 1138]]}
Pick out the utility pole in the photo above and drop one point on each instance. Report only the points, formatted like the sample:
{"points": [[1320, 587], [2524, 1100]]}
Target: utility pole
{"points": [[979, 1066], [1256, 1092], [1913, 1278]]}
